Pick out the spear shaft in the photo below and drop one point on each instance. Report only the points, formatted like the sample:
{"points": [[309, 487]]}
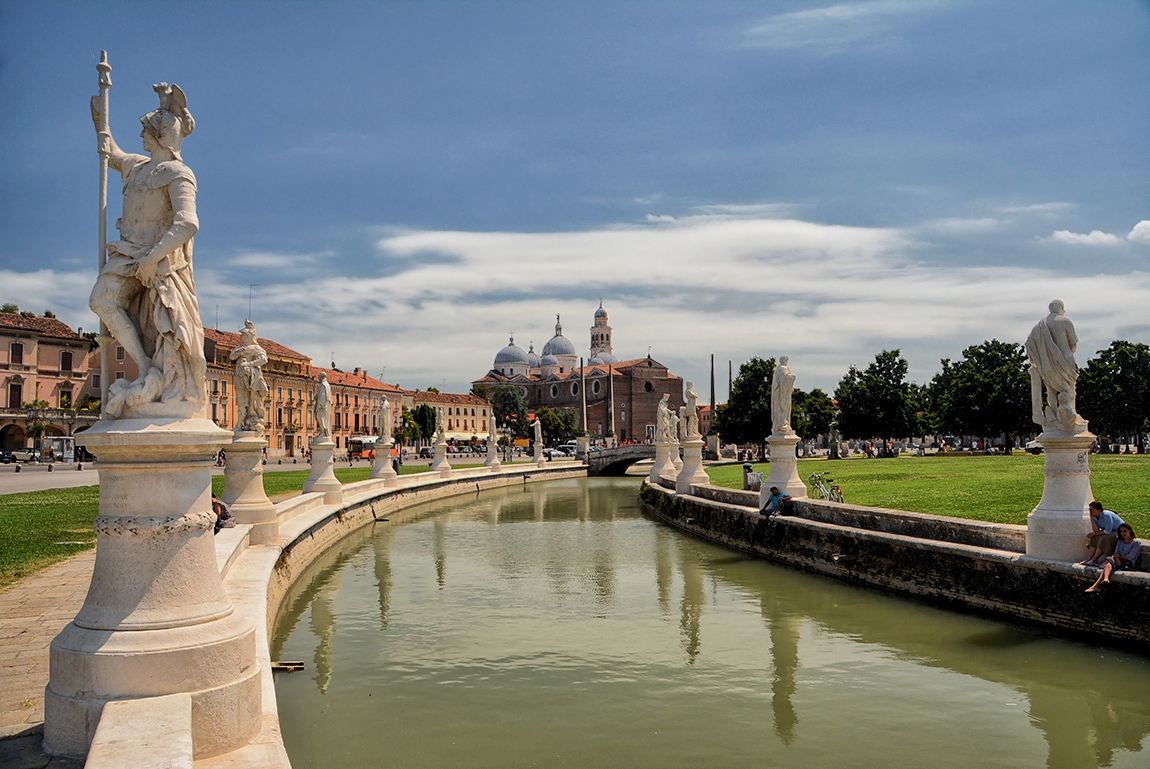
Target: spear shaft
{"points": [[105, 80]]}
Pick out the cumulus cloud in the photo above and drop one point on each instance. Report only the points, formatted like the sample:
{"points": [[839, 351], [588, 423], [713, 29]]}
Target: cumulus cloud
{"points": [[1141, 232], [833, 28], [1094, 238]]}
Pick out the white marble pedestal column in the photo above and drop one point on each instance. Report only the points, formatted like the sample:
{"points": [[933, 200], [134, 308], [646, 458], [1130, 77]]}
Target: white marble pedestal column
{"points": [[663, 464], [1056, 530], [492, 462], [440, 464], [382, 467], [537, 457], [784, 470], [156, 620], [322, 476], [244, 487], [675, 457], [692, 471]]}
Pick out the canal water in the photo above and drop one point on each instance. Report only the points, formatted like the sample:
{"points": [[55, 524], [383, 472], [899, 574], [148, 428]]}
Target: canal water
{"points": [[553, 625]]}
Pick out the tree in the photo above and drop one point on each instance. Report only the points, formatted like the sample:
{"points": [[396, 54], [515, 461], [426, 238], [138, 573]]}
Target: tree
{"points": [[425, 418], [559, 425], [509, 407], [987, 393], [408, 430], [811, 413], [879, 402], [746, 417], [9, 308], [49, 314], [1113, 391]]}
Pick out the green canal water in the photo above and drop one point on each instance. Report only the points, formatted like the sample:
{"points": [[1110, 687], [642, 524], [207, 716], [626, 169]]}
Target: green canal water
{"points": [[553, 625]]}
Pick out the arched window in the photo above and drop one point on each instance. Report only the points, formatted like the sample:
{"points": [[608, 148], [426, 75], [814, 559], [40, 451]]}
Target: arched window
{"points": [[596, 386], [574, 388], [554, 391]]}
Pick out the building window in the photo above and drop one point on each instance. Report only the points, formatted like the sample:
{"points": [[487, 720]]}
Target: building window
{"points": [[15, 395], [215, 387], [119, 375], [96, 382], [356, 401], [66, 361], [554, 391], [279, 393], [65, 399], [224, 386], [648, 386], [16, 352], [279, 417], [574, 388], [119, 352], [357, 418], [337, 425], [596, 386], [215, 415]]}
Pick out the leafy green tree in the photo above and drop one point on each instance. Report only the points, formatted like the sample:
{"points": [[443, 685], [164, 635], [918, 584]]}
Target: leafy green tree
{"points": [[811, 413], [9, 308], [424, 417], [746, 417], [987, 393], [879, 402], [510, 408], [408, 430], [1113, 391], [559, 425]]}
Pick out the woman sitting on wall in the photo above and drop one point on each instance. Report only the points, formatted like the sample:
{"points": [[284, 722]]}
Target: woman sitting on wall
{"points": [[1125, 557]]}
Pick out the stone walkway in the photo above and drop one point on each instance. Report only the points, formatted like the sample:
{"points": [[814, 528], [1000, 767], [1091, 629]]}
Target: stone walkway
{"points": [[32, 612]]}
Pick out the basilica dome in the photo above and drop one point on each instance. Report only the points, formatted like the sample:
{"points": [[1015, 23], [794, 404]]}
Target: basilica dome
{"points": [[511, 354], [559, 344]]}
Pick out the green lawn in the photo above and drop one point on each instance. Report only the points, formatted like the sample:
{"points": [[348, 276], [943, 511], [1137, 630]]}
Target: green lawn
{"points": [[40, 528], [1001, 489]]}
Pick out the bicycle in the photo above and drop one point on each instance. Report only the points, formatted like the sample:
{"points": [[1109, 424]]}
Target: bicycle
{"points": [[822, 488]]}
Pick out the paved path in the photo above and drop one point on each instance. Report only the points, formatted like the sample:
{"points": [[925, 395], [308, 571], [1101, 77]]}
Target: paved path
{"points": [[32, 612]]}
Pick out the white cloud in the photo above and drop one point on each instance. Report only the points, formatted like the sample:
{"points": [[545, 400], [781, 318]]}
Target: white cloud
{"points": [[661, 218], [1047, 210], [1141, 232], [833, 28], [958, 225], [1094, 238], [274, 260]]}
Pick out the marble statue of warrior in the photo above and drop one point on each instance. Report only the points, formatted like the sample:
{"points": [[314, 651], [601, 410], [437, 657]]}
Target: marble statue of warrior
{"points": [[251, 388], [385, 419], [322, 407], [145, 293], [692, 429], [782, 387], [1051, 347], [663, 420]]}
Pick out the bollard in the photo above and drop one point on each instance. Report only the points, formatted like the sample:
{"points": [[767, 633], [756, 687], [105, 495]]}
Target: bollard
{"points": [[50, 466], [79, 465], [17, 467], [747, 466], [280, 462]]}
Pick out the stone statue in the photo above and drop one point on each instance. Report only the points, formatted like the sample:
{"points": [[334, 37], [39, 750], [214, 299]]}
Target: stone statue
{"points": [[691, 431], [384, 419], [1051, 347], [321, 409], [782, 387], [492, 430], [680, 424], [537, 426], [145, 293], [440, 426], [250, 385], [663, 420]]}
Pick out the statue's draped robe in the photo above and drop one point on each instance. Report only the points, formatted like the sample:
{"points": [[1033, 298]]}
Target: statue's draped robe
{"points": [[782, 387], [1057, 368]]}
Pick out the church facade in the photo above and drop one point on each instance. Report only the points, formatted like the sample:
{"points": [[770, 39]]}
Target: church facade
{"points": [[621, 396]]}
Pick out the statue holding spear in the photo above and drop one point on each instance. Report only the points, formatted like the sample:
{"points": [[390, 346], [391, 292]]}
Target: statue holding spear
{"points": [[145, 294]]}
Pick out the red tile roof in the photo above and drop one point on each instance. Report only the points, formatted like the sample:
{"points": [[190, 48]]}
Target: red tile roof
{"points": [[352, 379], [423, 396], [30, 321], [233, 340]]}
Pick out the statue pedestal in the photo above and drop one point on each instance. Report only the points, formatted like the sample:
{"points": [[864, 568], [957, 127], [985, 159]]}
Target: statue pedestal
{"points": [[784, 470], [663, 464], [322, 476], [382, 468], [674, 456], [1056, 530], [537, 457], [440, 464], [582, 447], [492, 461], [156, 620], [692, 471], [712, 446], [244, 487]]}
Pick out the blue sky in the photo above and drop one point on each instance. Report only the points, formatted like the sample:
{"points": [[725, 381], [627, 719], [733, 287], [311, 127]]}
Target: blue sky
{"points": [[410, 182]]}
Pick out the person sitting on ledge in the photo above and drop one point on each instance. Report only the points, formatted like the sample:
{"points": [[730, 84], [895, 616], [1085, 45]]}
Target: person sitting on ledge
{"points": [[1103, 534], [224, 517], [1125, 557], [774, 502]]}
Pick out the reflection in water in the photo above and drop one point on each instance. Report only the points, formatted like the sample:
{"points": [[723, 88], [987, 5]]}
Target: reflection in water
{"points": [[558, 612]]}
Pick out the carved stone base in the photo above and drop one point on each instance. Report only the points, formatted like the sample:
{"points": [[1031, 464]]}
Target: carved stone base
{"points": [[492, 462], [382, 468], [440, 464], [675, 457], [322, 476], [537, 457], [663, 464], [784, 470], [692, 472], [1056, 530], [156, 620], [244, 487], [582, 447]]}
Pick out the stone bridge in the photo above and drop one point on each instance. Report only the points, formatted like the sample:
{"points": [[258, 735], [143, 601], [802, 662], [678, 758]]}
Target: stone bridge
{"points": [[616, 461]]}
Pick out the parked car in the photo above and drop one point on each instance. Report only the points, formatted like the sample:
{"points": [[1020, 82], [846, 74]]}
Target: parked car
{"points": [[426, 452], [1033, 447], [554, 453], [25, 455], [4, 457]]}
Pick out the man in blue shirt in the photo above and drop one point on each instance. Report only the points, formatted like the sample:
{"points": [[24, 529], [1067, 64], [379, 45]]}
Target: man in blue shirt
{"points": [[774, 501], [1103, 534]]}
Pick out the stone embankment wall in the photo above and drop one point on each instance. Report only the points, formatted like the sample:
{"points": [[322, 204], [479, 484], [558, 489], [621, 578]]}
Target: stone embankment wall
{"points": [[950, 562]]}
